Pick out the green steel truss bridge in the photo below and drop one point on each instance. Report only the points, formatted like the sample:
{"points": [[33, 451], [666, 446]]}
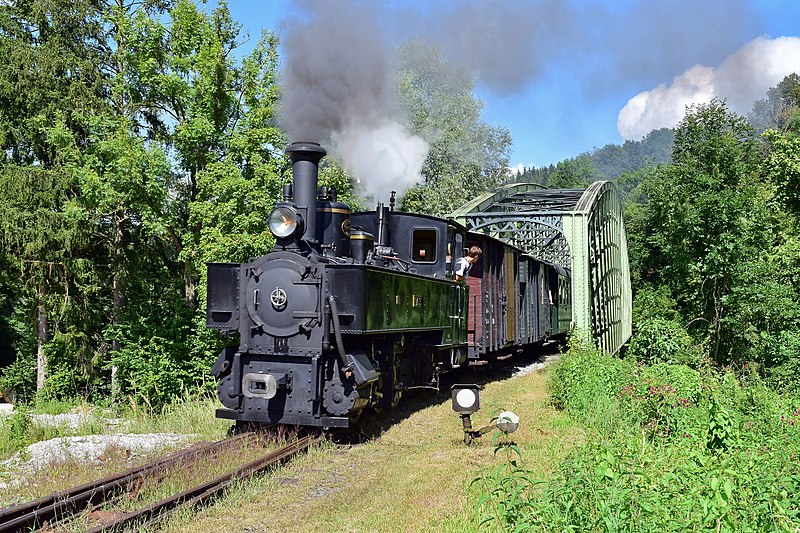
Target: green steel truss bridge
{"points": [[579, 229]]}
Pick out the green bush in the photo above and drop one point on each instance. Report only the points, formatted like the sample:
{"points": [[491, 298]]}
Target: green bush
{"points": [[684, 450], [585, 382], [660, 340], [14, 430], [654, 302], [665, 400], [20, 377], [781, 361]]}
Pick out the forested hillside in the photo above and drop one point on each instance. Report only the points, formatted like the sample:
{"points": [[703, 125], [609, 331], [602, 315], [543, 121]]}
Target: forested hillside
{"points": [[606, 163]]}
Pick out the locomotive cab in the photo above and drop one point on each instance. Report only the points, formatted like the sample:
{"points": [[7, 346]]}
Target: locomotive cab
{"points": [[425, 245]]}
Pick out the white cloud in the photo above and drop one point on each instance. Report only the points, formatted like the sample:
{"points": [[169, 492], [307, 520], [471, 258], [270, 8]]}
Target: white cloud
{"points": [[741, 79], [516, 169]]}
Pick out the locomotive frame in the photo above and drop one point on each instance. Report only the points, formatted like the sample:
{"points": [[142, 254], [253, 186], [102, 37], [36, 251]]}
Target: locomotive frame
{"points": [[351, 310]]}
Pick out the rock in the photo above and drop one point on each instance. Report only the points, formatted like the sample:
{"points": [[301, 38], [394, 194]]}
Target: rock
{"points": [[88, 449]]}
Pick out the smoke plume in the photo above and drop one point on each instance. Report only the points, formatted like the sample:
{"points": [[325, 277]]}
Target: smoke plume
{"points": [[339, 83], [339, 88], [741, 79], [504, 44]]}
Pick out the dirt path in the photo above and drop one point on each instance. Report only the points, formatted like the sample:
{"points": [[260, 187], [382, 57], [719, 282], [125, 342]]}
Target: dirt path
{"points": [[414, 477]]}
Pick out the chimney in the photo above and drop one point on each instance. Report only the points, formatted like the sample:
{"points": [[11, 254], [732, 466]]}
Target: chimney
{"points": [[305, 169]]}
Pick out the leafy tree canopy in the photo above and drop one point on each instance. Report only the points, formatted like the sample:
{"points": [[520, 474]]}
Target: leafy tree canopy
{"points": [[467, 156]]}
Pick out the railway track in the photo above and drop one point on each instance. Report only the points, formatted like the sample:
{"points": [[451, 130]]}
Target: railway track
{"points": [[56, 510]]}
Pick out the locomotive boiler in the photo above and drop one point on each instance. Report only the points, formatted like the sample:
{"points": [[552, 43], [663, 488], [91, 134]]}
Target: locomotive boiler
{"points": [[350, 310]]}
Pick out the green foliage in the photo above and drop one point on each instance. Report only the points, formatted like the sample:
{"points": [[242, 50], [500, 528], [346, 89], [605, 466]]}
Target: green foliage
{"points": [[689, 451], [467, 156], [707, 211], [780, 109], [659, 340], [659, 337], [333, 176], [722, 431], [782, 167], [508, 489], [14, 430], [654, 302], [135, 147], [586, 381], [781, 360], [575, 173], [19, 378]]}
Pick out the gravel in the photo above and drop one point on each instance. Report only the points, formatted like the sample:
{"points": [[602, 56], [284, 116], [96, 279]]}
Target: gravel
{"points": [[536, 367]]}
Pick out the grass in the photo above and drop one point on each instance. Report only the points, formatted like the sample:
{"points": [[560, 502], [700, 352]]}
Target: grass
{"points": [[414, 477], [191, 416]]}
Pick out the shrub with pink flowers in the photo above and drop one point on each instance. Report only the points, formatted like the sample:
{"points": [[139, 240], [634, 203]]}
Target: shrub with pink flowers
{"points": [[671, 448]]}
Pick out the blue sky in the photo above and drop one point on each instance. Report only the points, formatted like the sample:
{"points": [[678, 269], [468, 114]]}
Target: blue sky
{"points": [[587, 59]]}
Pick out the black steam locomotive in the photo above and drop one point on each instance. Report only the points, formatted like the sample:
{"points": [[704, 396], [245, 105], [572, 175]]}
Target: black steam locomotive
{"points": [[352, 309]]}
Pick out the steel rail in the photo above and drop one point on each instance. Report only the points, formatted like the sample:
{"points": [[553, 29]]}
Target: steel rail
{"points": [[202, 493], [68, 502]]}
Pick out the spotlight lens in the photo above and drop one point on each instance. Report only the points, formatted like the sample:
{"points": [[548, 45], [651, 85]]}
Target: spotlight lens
{"points": [[465, 398], [507, 422], [283, 222]]}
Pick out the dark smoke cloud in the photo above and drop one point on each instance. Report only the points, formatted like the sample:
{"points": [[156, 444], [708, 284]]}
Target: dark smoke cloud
{"points": [[338, 69], [339, 88], [504, 44], [339, 82]]}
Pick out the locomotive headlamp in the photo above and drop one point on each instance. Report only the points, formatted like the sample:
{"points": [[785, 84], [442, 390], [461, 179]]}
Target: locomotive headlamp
{"points": [[284, 222], [466, 399]]}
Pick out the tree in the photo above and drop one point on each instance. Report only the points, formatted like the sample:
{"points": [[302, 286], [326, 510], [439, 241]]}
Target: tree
{"points": [[49, 81], [707, 212], [214, 117], [577, 173], [780, 110], [782, 168], [142, 149], [467, 156]]}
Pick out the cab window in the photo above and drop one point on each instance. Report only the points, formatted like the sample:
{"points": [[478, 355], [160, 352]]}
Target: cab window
{"points": [[423, 245]]}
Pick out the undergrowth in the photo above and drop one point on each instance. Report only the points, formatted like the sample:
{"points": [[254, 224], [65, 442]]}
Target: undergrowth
{"points": [[672, 449]]}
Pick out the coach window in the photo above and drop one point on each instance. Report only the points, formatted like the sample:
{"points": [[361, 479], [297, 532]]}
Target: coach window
{"points": [[423, 242]]}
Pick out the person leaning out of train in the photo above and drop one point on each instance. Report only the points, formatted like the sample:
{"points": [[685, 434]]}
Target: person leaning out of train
{"points": [[464, 264]]}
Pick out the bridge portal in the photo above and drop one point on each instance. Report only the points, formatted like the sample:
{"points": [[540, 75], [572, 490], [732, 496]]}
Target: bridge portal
{"points": [[579, 229]]}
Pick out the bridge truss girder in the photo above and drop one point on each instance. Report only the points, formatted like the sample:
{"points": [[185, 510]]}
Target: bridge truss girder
{"points": [[581, 230]]}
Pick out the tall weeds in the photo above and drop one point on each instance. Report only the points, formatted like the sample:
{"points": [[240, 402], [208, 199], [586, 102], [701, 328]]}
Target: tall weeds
{"points": [[672, 449]]}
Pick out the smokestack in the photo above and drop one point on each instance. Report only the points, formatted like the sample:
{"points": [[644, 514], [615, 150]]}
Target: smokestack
{"points": [[305, 169]]}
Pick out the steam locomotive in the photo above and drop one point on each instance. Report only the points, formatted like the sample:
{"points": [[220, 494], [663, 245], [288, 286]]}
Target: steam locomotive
{"points": [[350, 310]]}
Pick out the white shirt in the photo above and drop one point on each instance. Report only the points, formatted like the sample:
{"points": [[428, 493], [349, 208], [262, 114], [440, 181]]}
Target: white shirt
{"points": [[463, 267]]}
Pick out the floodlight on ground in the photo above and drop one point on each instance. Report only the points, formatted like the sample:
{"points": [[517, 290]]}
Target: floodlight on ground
{"points": [[466, 398], [507, 422]]}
